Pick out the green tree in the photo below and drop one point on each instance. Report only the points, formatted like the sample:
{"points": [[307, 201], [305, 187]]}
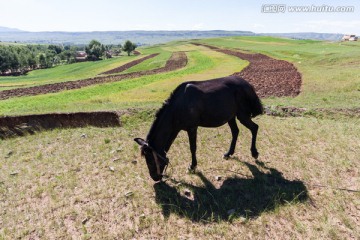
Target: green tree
{"points": [[4, 59], [129, 47], [14, 61], [94, 50], [32, 61], [50, 58], [42, 60], [23, 61], [67, 55], [55, 48]]}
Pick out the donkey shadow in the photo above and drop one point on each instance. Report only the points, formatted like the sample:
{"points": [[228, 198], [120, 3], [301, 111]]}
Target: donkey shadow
{"points": [[237, 197]]}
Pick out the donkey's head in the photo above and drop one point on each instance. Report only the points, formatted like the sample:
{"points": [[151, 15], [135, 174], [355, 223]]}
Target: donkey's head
{"points": [[156, 162]]}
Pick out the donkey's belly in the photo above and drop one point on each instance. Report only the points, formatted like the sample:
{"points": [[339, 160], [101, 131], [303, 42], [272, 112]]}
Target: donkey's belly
{"points": [[215, 120], [212, 124]]}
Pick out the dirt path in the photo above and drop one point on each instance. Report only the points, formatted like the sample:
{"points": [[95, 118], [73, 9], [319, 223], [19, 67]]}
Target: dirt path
{"points": [[269, 76], [176, 61], [129, 65]]}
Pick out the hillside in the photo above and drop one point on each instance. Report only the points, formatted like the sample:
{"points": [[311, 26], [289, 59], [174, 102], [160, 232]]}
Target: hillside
{"points": [[9, 30]]}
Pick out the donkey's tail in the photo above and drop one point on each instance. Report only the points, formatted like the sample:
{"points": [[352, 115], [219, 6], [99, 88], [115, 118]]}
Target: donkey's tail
{"points": [[254, 105]]}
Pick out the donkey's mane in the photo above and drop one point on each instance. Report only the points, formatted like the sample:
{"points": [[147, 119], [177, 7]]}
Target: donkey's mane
{"points": [[168, 102]]}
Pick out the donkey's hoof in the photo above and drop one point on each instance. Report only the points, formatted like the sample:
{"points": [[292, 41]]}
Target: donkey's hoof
{"points": [[226, 156], [255, 154], [191, 169]]}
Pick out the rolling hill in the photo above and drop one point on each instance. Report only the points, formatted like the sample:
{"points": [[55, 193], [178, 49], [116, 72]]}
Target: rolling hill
{"points": [[141, 37]]}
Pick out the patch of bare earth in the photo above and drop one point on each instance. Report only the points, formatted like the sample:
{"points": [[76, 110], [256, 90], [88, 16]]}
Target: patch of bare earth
{"points": [[176, 61], [269, 76], [355, 112], [21, 125], [280, 111]]}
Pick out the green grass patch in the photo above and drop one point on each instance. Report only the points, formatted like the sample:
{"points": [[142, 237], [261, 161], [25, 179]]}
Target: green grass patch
{"points": [[64, 73], [153, 63]]}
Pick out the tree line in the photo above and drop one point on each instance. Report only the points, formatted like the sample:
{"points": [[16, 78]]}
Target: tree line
{"points": [[19, 59]]}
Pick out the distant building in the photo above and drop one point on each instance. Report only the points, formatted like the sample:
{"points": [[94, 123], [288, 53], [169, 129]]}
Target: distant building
{"points": [[349, 37], [80, 56]]}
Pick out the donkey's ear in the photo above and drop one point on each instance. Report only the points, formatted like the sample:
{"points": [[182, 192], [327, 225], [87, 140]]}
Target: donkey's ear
{"points": [[140, 141]]}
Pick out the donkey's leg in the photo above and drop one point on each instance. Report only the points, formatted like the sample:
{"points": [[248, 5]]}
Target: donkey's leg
{"points": [[192, 133], [234, 132], [248, 123]]}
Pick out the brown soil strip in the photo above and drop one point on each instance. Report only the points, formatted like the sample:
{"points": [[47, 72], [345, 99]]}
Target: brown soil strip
{"points": [[279, 111], [129, 65], [348, 112], [285, 111], [176, 61], [21, 125], [269, 76]]}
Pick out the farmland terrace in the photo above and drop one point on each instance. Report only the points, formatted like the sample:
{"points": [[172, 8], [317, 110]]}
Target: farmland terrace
{"points": [[177, 60]]}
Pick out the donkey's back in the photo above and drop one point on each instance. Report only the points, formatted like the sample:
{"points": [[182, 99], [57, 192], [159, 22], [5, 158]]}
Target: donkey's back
{"points": [[213, 103]]}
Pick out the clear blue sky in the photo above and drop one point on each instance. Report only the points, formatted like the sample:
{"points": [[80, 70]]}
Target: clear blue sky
{"points": [[106, 15]]}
